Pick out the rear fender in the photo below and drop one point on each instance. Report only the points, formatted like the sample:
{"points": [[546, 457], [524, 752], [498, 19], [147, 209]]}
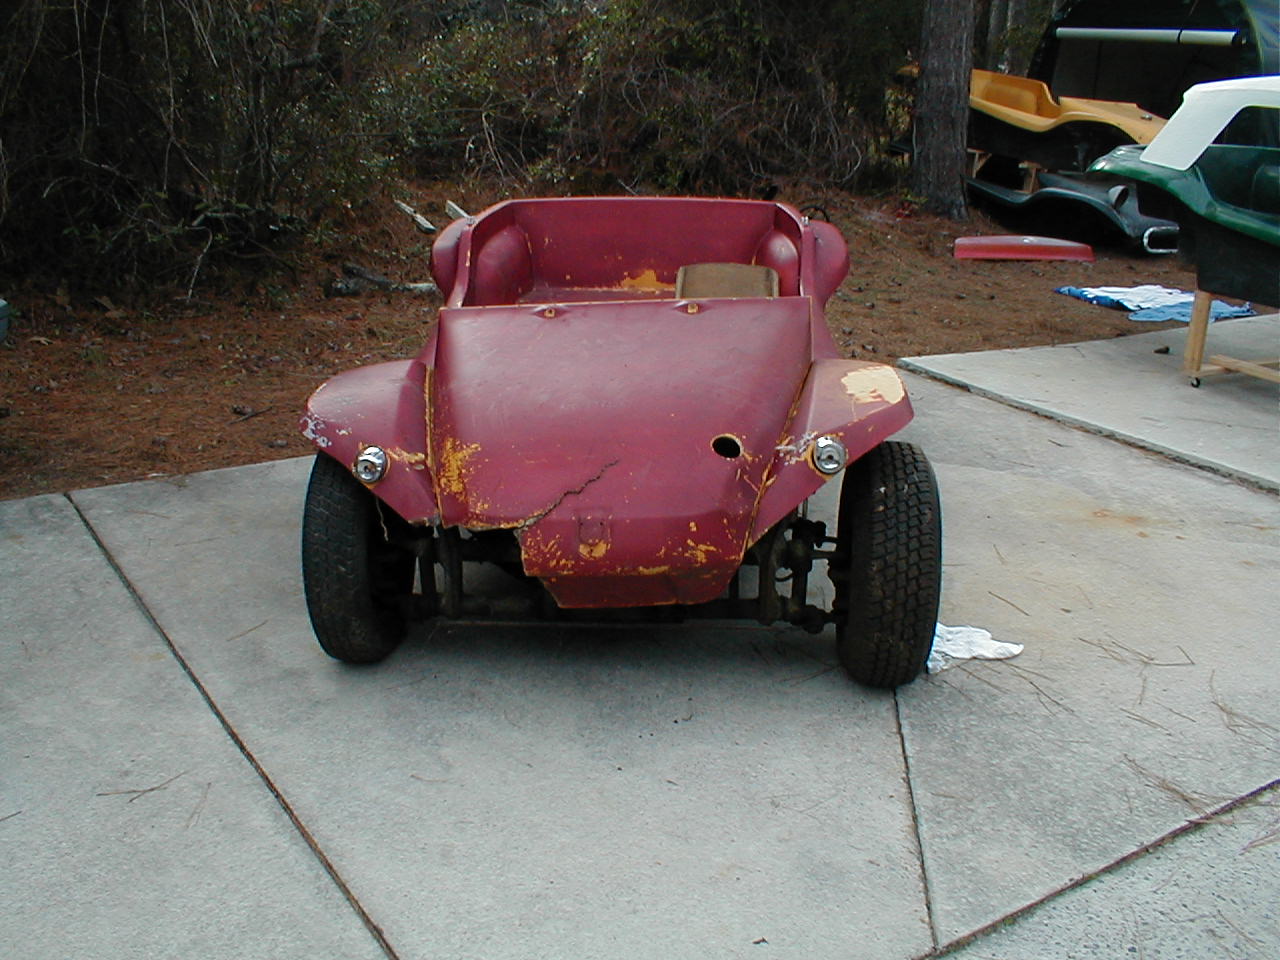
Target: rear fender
{"points": [[825, 262], [385, 405], [861, 403], [446, 256]]}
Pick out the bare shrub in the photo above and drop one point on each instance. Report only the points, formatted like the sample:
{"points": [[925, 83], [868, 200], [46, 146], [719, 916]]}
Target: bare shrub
{"points": [[139, 134], [142, 140], [697, 96]]}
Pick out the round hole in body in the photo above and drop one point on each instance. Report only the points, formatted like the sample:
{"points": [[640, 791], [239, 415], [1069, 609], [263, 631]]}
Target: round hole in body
{"points": [[728, 446]]}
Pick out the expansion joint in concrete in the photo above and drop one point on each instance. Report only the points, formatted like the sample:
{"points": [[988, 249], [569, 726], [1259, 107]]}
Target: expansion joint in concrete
{"points": [[1189, 826], [915, 821], [329, 868]]}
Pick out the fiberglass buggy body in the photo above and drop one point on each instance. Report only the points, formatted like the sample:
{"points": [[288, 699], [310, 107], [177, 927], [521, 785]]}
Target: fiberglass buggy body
{"points": [[625, 403]]}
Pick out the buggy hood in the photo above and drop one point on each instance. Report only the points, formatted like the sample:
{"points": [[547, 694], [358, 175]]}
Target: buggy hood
{"points": [[620, 438]]}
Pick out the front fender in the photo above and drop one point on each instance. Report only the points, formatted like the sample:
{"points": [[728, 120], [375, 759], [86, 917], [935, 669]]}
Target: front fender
{"points": [[861, 403], [382, 404]]}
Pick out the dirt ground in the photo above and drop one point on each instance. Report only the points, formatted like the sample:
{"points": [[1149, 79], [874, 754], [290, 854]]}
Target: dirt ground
{"points": [[96, 392]]}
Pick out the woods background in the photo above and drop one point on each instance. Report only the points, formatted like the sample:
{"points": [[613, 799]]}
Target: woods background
{"points": [[140, 139]]}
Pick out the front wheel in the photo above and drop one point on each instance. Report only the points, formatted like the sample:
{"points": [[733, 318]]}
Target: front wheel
{"points": [[888, 568], [356, 578]]}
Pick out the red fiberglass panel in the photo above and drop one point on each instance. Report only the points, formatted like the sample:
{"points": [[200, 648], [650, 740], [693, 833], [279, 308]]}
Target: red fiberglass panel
{"points": [[381, 404], [596, 243], [626, 441], [633, 243], [1020, 248]]}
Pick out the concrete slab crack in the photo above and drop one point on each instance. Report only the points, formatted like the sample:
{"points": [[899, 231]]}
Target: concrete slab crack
{"points": [[348, 894], [915, 823], [1190, 826]]}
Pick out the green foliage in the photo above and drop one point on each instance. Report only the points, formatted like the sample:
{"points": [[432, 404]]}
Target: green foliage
{"points": [[141, 140]]}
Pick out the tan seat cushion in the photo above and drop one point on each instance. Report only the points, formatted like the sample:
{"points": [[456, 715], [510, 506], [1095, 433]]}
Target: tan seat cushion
{"points": [[702, 280]]}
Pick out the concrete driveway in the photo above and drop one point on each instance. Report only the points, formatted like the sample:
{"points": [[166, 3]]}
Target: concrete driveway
{"points": [[184, 774]]}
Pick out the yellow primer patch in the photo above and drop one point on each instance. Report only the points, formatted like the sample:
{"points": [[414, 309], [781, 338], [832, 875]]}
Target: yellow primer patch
{"points": [[593, 551], [416, 460], [699, 552], [539, 554], [874, 384], [477, 514], [647, 280], [427, 405], [455, 467], [652, 571]]}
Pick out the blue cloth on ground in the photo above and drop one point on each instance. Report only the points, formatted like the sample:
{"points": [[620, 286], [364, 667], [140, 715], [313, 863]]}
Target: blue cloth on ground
{"points": [[1151, 303]]}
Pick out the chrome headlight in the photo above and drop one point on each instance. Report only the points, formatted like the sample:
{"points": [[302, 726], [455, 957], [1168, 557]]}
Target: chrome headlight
{"points": [[829, 455], [370, 465]]}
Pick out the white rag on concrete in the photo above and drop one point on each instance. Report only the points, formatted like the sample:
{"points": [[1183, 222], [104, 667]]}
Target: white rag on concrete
{"points": [[953, 644]]}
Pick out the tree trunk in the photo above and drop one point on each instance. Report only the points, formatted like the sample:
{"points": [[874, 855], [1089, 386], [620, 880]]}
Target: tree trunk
{"points": [[942, 107], [997, 21], [1010, 56]]}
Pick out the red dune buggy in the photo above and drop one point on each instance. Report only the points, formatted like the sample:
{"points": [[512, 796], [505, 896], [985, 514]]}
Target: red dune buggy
{"points": [[626, 403]]}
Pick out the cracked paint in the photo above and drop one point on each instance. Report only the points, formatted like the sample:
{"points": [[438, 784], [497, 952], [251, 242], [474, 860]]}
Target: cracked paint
{"points": [[745, 477], [531, 520]]}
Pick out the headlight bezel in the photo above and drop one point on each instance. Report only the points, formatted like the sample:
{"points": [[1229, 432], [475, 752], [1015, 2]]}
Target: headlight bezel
{"points": [[828, 455], [371, 464]]}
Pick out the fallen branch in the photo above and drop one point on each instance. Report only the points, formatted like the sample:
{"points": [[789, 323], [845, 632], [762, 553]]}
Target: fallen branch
{"points": [[419, 221], [358, 272], [247, 414], [426, 287], [139, 793]]}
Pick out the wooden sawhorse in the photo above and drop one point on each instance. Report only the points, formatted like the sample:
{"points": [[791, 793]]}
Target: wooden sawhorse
{"points": [[1193, 364]]}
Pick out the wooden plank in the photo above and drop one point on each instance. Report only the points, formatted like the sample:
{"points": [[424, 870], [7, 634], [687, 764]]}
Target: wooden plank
{"points": [[1193, 355], [1263, 370]]}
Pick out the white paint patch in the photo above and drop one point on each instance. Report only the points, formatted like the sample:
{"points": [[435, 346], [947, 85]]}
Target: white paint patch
{"points": [[311, 427], [795, 452], [874, 384]]}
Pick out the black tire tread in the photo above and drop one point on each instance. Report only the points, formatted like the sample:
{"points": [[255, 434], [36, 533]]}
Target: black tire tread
{"points": [[351, 586], [890, 534]]}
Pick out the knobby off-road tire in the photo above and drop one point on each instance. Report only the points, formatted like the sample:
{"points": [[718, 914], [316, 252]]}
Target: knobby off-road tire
{"points": [[890, 534], [354, 580]]}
